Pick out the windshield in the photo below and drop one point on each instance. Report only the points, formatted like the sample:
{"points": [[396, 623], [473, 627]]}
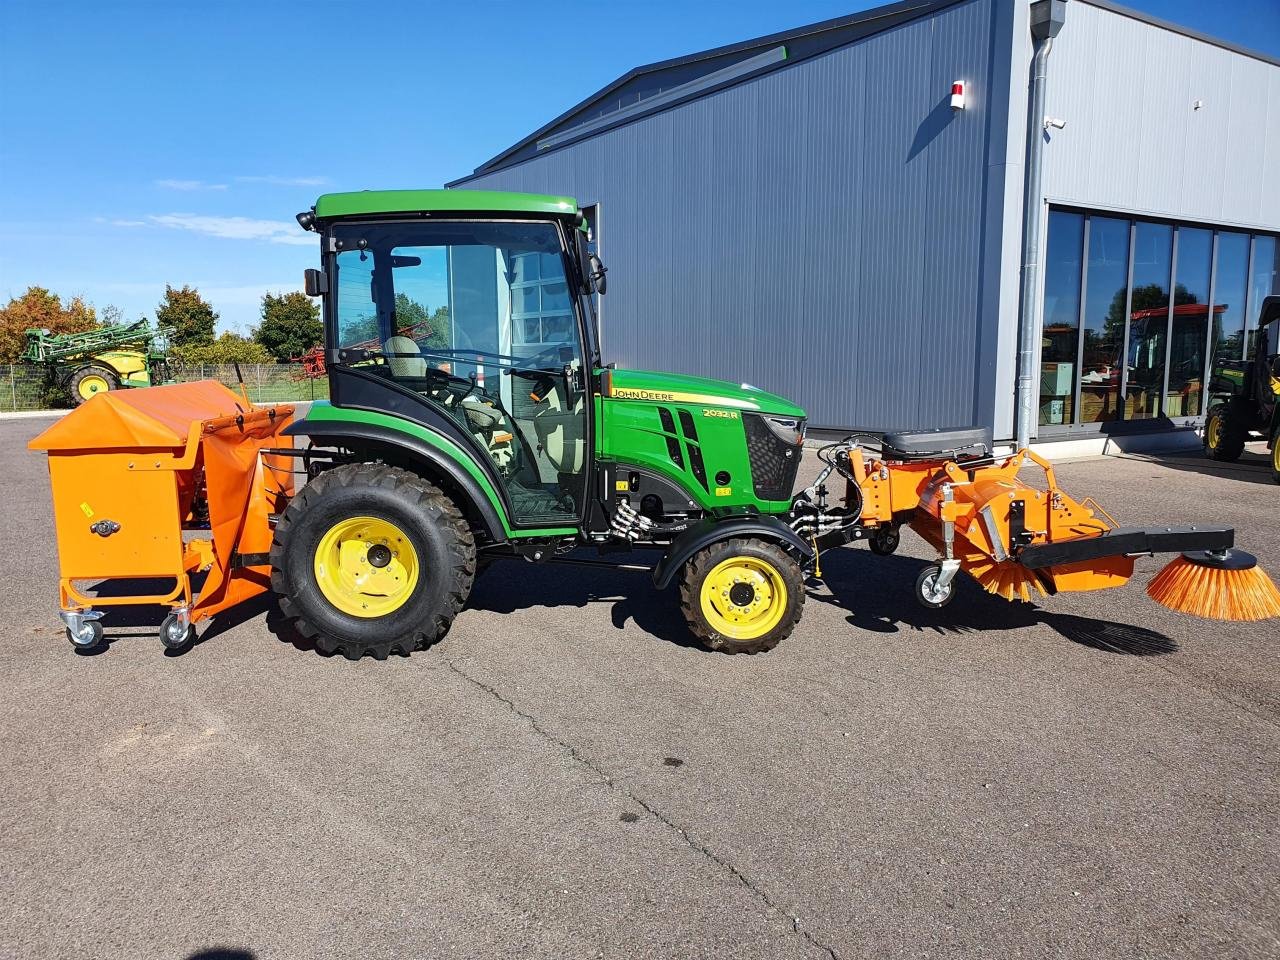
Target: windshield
{"points": [[477, 319], [462, 292]]}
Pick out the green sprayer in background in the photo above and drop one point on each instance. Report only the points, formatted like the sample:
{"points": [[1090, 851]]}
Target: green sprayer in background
{"points": [[99, 360]]}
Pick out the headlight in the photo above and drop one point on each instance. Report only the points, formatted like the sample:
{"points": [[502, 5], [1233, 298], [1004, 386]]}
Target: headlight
{"points": [[787, 429]]}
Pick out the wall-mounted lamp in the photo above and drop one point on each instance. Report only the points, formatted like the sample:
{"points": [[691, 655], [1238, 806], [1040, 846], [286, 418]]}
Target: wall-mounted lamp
{"points": [[957, 95]]}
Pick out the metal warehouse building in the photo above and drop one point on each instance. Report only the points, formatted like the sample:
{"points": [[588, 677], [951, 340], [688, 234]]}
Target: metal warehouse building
{"points": [[809, 212]]}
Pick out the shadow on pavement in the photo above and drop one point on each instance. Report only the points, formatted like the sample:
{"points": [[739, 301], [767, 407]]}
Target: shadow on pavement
{"points": [[879, 594], [509, 586], [1250, 468], [223, 953]]}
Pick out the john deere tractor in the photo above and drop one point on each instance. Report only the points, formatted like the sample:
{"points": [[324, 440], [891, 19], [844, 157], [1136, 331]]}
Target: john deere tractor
{"points": [[496, 431], [1244, 401]]}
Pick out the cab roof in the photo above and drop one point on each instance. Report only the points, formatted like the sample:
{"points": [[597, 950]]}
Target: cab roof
{"points": [[375, 202]]}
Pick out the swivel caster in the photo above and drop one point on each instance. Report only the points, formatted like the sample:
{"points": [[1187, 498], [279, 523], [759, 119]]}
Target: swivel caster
{"points": [[87, 636], [885, 541], [932, 590], [177, 630]]}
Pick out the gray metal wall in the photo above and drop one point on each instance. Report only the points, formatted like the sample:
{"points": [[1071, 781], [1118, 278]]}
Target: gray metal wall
{"points": [[819, 231], [1134, 141]]}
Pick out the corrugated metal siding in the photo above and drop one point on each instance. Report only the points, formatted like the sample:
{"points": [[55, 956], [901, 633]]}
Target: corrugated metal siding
{"points": [[1133, 140], [816, 231]]}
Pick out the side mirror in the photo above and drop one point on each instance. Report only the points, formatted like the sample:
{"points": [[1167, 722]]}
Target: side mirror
{"points": [[315, 282], [598, 271]]}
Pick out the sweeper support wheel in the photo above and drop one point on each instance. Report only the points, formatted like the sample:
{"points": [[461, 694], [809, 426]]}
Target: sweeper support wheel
{"points": [[932, 590]]}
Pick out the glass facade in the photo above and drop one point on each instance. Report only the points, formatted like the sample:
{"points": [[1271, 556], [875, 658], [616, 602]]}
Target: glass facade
{"points": [[1136, 310]]}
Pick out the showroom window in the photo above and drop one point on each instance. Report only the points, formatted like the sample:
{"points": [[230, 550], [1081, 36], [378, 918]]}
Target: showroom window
{"points": [[1137, 311]]}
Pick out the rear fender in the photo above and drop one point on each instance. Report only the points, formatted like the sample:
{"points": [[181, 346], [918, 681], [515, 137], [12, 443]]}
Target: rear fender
{"points": [[430, 461], [712, 530]]}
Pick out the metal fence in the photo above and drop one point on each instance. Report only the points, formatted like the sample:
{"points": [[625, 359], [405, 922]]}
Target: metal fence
{"points": [[26, 386]]}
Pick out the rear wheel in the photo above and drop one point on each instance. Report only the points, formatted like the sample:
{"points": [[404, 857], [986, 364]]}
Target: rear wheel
{"points": [[372, 559], [1223, 435], [741, 596], [90, 381]]}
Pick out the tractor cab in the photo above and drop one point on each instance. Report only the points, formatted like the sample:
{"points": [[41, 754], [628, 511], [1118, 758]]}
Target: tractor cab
{"points": [[480, 328]]}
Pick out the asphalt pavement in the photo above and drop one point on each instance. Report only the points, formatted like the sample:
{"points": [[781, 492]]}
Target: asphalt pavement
{"points": [[566, 775]]}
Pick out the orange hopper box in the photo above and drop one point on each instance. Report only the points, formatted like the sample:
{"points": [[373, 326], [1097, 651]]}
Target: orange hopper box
{"points": [[159, 484]]}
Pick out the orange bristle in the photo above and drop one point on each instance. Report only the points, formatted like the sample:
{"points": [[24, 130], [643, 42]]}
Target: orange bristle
{"points": [[1009, 580], [1228, 586]]}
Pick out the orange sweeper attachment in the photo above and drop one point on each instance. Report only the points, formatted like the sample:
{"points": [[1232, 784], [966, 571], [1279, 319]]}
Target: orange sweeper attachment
{"points": [[1017, 539], [163, 485]]}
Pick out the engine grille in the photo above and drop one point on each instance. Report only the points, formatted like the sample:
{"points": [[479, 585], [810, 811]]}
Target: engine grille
{"points": [[773, 461]]}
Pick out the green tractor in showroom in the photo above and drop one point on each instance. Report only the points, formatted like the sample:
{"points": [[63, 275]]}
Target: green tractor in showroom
{"points": [[1244, 402], [496, 431]]}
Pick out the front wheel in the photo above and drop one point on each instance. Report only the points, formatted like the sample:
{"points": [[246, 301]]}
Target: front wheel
{"points": [[1223, 436], [741, 596], [372, 559]]}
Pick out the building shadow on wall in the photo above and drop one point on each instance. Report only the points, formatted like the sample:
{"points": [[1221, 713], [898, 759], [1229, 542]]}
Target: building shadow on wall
{"points": [[878, 592]]}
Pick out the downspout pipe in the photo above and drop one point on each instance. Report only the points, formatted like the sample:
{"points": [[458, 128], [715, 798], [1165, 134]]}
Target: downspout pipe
{"points": [[1047, 18]]}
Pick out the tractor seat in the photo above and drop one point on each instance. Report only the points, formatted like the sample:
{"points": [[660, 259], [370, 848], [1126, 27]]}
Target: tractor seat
{"points": [[939, 442]]}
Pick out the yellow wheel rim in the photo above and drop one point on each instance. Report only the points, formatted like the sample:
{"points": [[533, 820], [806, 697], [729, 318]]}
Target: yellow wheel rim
{"points": [[743, 598], [366, 566], [1214, 431], [92, 385], [1275, 454]]}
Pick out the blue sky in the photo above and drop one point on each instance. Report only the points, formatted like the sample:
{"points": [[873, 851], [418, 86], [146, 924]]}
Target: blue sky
{"points": [[173, 141]]}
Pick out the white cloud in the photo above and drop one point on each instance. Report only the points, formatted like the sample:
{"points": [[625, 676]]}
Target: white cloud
{"points": [[237, 228], [189, 185], [286, 181], [128, 223]]}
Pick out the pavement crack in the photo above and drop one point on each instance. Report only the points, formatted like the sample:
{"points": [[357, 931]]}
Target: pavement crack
{"points": [[697, 846]]}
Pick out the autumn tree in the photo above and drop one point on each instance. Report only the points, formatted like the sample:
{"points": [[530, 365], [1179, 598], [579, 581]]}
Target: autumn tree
{"points": [[38, 309], [290, 325], [185, 318], [228, 348]]}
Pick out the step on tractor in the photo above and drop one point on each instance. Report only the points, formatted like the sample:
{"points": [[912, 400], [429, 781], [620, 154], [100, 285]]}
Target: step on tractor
{"points": [[95, 361], [497, 432], [1244, 396]]}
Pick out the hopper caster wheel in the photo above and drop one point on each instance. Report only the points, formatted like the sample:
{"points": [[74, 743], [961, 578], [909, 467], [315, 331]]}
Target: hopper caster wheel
{"points": [[927, 590], [88, 637], [884, 542], [175, 634]]}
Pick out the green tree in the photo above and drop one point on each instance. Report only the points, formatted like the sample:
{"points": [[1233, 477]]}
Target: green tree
{"points": [[185, 318], [290, 325], [38, 309], [228, 348]]}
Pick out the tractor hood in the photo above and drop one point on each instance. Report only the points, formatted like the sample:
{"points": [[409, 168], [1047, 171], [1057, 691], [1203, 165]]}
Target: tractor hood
{"points": [[679, 388]]}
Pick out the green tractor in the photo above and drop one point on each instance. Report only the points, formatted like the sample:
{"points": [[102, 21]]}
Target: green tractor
{"points": [[496, 431], [1244, 399]]}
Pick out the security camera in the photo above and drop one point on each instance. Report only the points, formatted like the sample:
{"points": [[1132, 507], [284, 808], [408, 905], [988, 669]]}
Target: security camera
{"points": [[1054, 122]]}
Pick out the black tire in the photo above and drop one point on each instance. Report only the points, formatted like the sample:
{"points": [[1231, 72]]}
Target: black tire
{"points": [[885, 541], [925, 593], [1224, 435], [86, 373], [696, 570], [435, 529], [1275, 457], [90, 640]]}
